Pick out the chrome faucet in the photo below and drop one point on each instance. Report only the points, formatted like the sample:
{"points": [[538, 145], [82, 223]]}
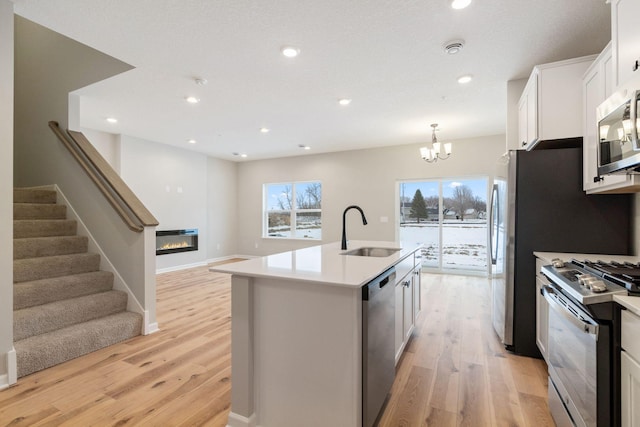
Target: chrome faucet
{"points": [[344, 217]]}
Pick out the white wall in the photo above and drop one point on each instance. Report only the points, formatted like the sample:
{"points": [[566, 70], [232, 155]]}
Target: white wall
{"points": [[222, 214], [6, 189], [107, 144], [367, 178], [184, 189]]}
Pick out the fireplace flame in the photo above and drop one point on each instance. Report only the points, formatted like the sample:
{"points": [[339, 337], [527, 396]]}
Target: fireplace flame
{"points": [[183, 244]]}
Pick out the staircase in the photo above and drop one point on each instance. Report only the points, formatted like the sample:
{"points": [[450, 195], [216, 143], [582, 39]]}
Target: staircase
{"points": [[63, 305]]}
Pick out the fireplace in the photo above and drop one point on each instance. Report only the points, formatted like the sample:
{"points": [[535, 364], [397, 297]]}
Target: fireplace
{"points": [[174, 241]]}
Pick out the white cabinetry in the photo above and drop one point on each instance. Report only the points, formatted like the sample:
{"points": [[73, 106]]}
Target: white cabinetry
{"points": [[542, 312], [625, 38], [597, 86], [407, 303], [630, 370], [551, 103]]}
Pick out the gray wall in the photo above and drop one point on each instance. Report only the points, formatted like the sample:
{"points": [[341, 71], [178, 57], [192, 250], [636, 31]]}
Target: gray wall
{"points": [[6, 186], [48, 66], [367, 178], [183, 188]]}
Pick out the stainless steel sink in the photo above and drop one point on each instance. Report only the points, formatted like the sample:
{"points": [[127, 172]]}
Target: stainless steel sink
{"points": [[375, 252]]}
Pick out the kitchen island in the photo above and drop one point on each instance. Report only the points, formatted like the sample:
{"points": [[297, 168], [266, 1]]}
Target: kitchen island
{"points": [[297, 334]]}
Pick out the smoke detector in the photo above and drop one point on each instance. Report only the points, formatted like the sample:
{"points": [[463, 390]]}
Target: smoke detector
{"points": [[454, 46]]}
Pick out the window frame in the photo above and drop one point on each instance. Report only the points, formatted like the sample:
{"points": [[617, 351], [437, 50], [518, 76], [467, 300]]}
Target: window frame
{"points": [[293, 212]]}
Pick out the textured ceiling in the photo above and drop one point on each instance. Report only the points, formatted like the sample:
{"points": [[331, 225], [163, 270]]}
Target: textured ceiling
{"points": [[386, 55]]}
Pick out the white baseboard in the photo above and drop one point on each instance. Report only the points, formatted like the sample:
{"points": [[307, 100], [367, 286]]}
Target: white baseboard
{"points": [[12, 371], [236, 420]]}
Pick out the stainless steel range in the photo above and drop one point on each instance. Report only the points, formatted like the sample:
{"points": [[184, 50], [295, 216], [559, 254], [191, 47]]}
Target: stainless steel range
{"points": [[584, 338]]}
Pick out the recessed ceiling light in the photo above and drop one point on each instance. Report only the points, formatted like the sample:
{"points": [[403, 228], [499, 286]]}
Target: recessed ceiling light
{"points": [[290, 51], [465, 79], [192, 99], [453, 46], [460, 4], [305, 147], [243, 155], [264, 130], [112, 120], [191, 141], [344, 101], [200, 81]]}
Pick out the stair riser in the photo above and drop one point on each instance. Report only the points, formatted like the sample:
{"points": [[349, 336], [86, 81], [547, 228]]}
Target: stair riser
{"points": [[41, 352], [30, 294], [39, 211], [24, 195], [49, 246], [43, 228], [57, 315], [26, 270]]}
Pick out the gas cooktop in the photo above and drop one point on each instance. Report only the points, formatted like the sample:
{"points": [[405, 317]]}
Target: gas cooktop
{"points": [[588, 282]]}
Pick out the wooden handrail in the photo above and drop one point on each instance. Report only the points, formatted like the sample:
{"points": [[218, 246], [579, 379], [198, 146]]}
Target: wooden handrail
{"points": [[134, 214]]}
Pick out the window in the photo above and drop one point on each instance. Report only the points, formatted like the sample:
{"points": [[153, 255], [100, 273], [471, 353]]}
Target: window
{"points": [[449, 218], [293, 210]]}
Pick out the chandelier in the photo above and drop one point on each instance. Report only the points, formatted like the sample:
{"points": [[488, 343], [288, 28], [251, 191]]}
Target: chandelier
{"points": [[431, 155]]}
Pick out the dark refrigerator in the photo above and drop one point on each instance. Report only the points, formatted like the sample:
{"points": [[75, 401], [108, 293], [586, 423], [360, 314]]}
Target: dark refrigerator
{"points": [[545, 210]]}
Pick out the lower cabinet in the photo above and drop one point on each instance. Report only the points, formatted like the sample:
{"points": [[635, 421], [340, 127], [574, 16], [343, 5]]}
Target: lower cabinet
{"points": [[630, 390], [407, 308], [630, 370], [542, 311]]}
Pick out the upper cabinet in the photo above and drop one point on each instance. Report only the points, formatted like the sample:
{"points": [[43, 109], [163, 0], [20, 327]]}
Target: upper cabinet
{"points": [[551, 103], [597, 85], [625, 39], [615, 66]]}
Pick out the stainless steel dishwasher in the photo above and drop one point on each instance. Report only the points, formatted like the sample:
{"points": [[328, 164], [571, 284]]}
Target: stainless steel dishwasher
{"points": [[378, 344]]}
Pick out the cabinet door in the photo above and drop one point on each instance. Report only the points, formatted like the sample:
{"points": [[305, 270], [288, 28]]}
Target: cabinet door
{"points": [[625, 37], [532, 109], [630, 390], [399, 335], [522, 123], [417, 289], [542, 319], [592, 94], [407, 318]]}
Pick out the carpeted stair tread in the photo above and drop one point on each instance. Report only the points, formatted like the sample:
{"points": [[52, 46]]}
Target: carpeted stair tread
{"points": [[26, 270], [43, 351], [43, 227], [61, 314], [34, 195], [39, 211], [33, 247], [45, 291]]}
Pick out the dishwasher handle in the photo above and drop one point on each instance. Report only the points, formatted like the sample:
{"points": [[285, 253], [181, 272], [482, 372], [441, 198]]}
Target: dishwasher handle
{"points": [[375, 286]]}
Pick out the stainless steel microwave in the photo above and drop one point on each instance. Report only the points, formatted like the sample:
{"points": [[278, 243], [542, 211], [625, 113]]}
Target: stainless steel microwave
{"points": [[618, 126]]}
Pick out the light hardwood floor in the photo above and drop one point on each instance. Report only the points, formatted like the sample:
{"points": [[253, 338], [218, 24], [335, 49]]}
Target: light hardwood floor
{"points": [[454, 371]]}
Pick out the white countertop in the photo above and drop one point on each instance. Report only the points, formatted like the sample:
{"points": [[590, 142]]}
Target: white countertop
{"points": [[631, 303], [321, 264]]}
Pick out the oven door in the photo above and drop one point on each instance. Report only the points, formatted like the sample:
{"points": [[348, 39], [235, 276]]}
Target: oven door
{"points": [[573, 336]]}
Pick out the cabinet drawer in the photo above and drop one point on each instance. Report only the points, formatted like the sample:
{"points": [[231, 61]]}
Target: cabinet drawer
{"points": [[404, 267], [630, 332]]}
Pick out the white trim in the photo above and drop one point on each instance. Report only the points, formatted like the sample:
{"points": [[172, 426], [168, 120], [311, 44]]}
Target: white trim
{"points": [[105, 264], [12, 370], [236, 420], [149, 328]]}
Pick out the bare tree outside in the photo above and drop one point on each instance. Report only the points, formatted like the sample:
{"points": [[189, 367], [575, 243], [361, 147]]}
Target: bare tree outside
{"points": [[311, 197], [462, 200], [284, 199]]}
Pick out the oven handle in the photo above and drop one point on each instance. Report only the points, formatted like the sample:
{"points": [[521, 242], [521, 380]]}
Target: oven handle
{"points": [[589, 328]]}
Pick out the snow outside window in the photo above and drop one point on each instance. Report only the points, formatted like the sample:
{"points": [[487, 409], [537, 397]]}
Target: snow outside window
{"points": [[293, 210]]}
